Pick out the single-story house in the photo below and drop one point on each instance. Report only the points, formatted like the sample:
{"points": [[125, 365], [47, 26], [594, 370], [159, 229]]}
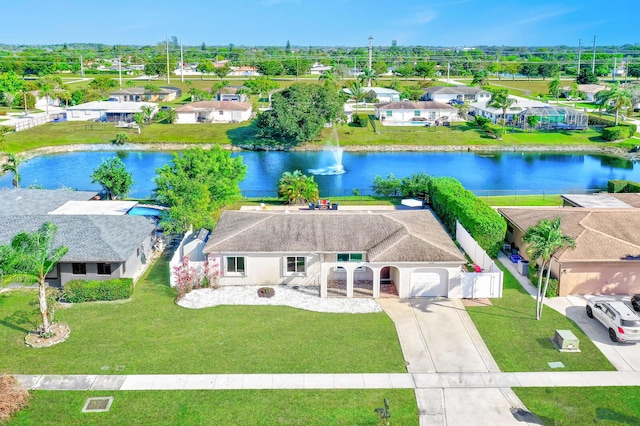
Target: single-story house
{"points": [[494, 114], [318, 69], [606, 259], [111, 112], [587, 91], [347, 253], [100, 246], [243, 72], [418, 113], [141, 94], [460, 93], [214, 112], [618, 200], [230, 93], [382, 93]]}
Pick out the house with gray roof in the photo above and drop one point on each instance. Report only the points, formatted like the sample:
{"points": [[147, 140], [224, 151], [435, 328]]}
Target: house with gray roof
{"points": [[144, 94], [350, 253], [460, 93], [606, 259], [407, 113], [100, 246], [214, 112]]}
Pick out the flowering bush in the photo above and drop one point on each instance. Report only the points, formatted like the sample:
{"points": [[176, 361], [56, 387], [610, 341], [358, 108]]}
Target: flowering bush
{"points": [[186, 277]]}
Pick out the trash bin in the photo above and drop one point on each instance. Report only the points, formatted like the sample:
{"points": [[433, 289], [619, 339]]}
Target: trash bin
{"points": [[523, 267]]}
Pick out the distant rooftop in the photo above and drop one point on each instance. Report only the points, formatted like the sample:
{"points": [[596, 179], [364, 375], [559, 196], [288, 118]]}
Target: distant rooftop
{"points": [[38, 201], [103, 207]]}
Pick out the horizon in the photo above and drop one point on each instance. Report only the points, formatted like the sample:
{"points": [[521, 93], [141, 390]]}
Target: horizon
{"points": [[333, 23]]}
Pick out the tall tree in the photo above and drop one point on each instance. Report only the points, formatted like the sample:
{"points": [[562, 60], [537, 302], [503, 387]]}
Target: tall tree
{"points": [[555, 86], [544, 240], [357, 92], [367, 77], [222, 71], [196, 185], [425, 69], [500, 99], [113, 176], [480, 78], [297, 188], [28, 259], [103, 84], [615, 99], [205, 67], [12, 165]]}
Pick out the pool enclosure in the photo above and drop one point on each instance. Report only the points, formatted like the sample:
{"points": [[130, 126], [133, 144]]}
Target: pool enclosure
{"points": [[554, 117]]}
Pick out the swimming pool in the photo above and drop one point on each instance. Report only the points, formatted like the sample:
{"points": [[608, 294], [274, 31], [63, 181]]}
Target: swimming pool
{"points": [[144, 211]]}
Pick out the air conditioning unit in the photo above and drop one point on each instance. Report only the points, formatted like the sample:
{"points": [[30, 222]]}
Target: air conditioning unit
{"points": [[566, 341]]}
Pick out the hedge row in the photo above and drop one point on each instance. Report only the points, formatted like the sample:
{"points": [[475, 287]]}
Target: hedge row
{"points": [[77, 291], [622, 131], [361, 119], [614, 186], [451, 202]]}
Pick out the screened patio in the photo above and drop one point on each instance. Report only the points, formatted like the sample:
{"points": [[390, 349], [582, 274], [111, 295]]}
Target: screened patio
{"points": [[554, 118]]}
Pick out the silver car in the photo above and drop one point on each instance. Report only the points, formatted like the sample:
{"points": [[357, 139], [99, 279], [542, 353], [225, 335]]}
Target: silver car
{"points": [[622, 322]]}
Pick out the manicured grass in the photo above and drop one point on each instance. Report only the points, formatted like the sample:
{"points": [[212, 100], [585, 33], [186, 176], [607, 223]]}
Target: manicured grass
{"points": [[237, 407], [151, 334], [583, 406], [520, 343], [523, 200]]}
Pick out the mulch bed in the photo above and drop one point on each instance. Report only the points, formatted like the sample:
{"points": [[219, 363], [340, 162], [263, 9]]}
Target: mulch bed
{"points": [[61, 332]]}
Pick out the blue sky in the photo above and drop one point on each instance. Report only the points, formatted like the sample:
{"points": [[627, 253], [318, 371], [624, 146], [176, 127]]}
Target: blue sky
{"points": [[321, 22]]}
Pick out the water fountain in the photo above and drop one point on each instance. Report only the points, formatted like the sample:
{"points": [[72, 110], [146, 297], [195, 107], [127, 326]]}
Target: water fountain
{"points": [[334, 160]]}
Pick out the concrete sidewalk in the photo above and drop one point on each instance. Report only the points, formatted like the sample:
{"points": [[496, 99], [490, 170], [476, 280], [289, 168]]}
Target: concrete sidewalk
{"points": [[329, 381]]}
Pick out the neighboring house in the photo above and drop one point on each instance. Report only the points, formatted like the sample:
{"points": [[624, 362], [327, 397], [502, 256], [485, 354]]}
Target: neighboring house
{"points": [[606, 259], [409, 113], [43, 101], [494, 114], [461, 93], [619, 200], [318, 69], [243, 72], [404, 253], [100, 246], [106, 111], [214, 112], [230, 93], [587, 91], [140, 94], [382, 93]]}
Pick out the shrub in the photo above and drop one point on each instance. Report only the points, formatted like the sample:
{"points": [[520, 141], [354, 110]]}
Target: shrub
{"points": [[78, 291], [364, 120], [12, 397], [552, 289], [482, 121], [614, 186], [452, 202], [633, 128], [3, 113], [597, 120], [615, 133]]}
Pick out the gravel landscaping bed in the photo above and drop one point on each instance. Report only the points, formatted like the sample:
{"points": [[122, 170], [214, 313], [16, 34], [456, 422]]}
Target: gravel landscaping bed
{"points": [[303, 298]]}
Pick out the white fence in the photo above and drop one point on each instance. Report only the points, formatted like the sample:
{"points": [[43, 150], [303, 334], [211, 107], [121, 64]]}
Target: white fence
{"points": [[192, 247], [485, 284]]}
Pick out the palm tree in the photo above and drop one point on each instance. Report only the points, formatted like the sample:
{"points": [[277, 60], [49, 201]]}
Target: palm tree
{"points": [[11, 166], [614, 99], [543, 240], [357, 92], [327, 77], [500, 99], [555, 86], [220, 87], [296, 188], [368, 76], [46, 90], [147, 112], [28, 259]]}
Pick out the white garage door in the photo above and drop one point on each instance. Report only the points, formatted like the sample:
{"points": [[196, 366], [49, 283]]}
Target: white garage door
{"points": [[428, 284]]}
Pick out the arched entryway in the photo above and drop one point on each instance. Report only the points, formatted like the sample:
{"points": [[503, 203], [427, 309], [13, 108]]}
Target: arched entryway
{"points": [[337, 282], [363, 282], [389, 276]]}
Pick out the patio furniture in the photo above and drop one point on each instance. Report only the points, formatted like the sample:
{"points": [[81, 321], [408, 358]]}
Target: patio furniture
{"points": [[334, 206], [324, 204]]}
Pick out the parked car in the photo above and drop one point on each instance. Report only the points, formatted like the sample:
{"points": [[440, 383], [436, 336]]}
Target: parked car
{"points": [[455, 102], [623, 324], [635, 300]]}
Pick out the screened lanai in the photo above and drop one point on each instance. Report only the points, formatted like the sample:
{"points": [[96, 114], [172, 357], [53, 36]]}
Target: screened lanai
{"points": [[554, 117]]}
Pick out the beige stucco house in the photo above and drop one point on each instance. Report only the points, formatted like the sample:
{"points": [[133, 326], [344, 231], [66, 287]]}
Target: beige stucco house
{"points": [[606, 259], [345, 253]]}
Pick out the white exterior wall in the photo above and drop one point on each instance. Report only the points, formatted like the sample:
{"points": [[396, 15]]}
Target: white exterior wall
{"points": [[228, 116], [186, 118], [270, 269], [84, 115], [404, 115]]}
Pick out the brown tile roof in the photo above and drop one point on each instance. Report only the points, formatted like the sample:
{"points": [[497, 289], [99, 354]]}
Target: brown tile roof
{"points": [[413, 105], [600, 234], [215, 106], [397, 236], [632, 199]]}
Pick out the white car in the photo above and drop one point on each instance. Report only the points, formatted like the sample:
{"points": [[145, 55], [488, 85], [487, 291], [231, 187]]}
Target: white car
{"points": [[622, 322]]}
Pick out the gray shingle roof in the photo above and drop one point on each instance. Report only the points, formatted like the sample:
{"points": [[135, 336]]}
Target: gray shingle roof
{"points": [[37, 201], [399, 236], [88, 238], [456, 90], [407, 105]]}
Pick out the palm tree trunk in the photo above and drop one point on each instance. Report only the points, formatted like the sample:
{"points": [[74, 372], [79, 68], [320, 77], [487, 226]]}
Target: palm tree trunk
{"points": [[544, 291], [42, 299], [538, 297]]}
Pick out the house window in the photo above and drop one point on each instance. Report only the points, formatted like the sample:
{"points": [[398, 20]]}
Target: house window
{"points": [[389, 113], [79, 268], [296, 264], [350, 257], [432, 115], [104, 269], [416, 113], [235, 265], [221, 112]]}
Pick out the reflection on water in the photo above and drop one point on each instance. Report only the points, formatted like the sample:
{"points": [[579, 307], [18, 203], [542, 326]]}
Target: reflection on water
{"points": [[503, 171]]}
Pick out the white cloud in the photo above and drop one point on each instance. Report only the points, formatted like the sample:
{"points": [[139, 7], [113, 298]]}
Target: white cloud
{"points": [[544, 16], [418, 18]]}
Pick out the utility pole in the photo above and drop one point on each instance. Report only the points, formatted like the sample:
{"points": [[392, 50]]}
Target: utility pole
{"points": [[181, 63], [448, 72], [81, 67], [370, 58], [168, 75], [579, 54], [593, 60], [120, 71], [615, 65]]}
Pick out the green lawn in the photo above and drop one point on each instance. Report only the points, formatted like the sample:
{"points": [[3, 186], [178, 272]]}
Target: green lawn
{"points": [[237, 407], [583, 406], [520, 343], [151, 334], [523, 200]]}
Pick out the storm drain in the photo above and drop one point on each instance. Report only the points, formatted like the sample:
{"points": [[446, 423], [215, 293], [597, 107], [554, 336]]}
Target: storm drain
{"points": [[97, 405]]}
